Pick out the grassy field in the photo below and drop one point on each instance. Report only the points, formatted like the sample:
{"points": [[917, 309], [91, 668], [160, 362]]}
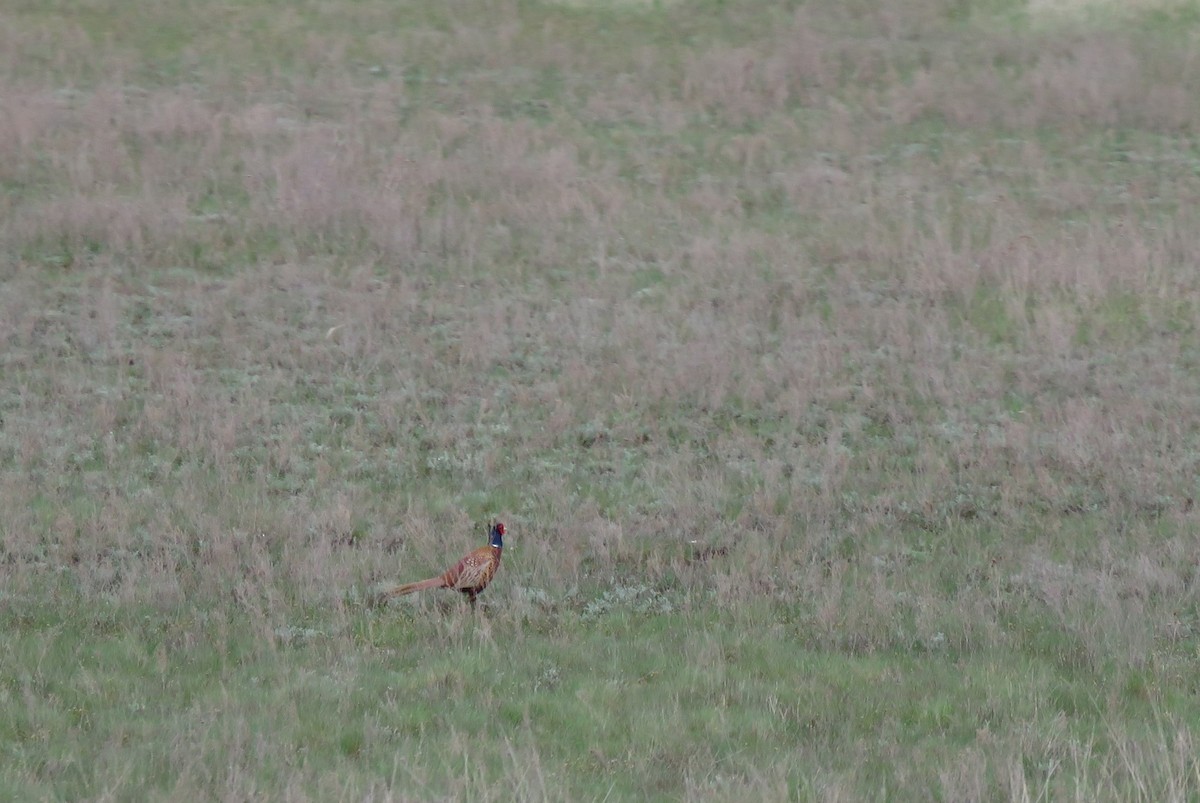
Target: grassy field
{"points": [[834, 365]]}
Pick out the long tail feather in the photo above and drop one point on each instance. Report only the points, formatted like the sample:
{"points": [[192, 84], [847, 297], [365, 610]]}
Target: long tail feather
{"points": [[412, 588]]}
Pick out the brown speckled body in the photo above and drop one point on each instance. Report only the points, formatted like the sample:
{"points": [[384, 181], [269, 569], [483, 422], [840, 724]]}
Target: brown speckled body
{"points": [[470, 575]]}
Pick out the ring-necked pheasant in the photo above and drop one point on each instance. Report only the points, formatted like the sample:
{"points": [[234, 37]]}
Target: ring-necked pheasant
{"points": [[470, 575]]}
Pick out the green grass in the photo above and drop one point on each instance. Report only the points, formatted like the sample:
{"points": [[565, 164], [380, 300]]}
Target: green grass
{"points": [[628, 703], [832, 366]]}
